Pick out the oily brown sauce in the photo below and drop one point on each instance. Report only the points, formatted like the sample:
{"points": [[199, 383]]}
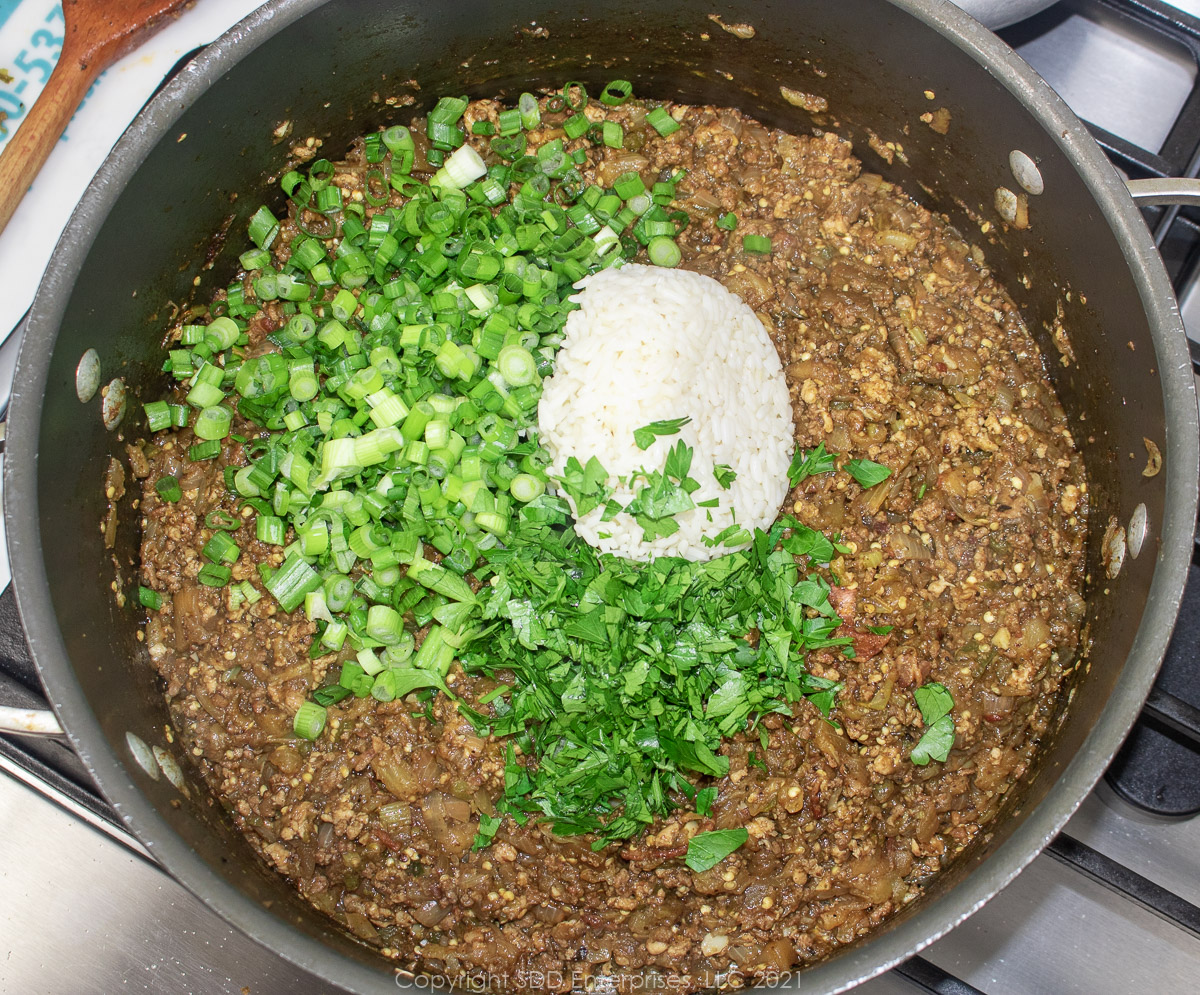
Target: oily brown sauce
{"points": [[898, 347]]}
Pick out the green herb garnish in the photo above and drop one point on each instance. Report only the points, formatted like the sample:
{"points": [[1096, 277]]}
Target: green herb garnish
{"points": [[724, 474], [625, 677], [374, 434], [706, 850], [809, 542], [644, 437], [488, 824], [935, 703], [808, 464], [867, 472], [585, 484]]}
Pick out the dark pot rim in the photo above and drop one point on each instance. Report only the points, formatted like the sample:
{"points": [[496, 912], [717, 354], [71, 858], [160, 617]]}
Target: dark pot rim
{"points": [[1181, 465]]}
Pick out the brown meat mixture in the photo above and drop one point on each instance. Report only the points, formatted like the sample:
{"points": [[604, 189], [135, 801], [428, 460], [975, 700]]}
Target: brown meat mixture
{"points": [[899, 347]]}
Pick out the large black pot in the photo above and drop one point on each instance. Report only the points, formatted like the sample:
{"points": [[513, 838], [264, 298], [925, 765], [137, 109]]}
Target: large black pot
{"points": [[141, 236]]}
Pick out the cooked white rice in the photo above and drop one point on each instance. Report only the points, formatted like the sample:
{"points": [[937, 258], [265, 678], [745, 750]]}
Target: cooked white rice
{"points": [[651, 344]]}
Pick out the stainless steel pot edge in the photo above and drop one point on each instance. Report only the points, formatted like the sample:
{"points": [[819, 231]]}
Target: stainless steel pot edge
{"points": [[1182, 466]]}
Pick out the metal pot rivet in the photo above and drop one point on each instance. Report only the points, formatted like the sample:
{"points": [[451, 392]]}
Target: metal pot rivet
{"points": [[170, 767], [1137, 530], [87, 376], [112, 407], [1026, 173], [142, 754], [1006, 204]]}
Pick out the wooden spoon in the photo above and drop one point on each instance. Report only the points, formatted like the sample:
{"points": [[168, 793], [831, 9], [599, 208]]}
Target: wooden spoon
{"points": [[97, 33]]}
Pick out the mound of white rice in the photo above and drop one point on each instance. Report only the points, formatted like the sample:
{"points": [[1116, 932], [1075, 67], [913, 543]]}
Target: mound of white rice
{"points": [[651, 344]]}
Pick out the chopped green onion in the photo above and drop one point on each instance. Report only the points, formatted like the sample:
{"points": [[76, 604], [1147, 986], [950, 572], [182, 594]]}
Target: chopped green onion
{"points": [[309, 722], [270, 529], [213, 423], [334, 636], [292, 581], [339, 590], [221, 334], [756, 243], [517, 366], [575, 96], [527, 107], [616, 93], [204, 450], [463, 167], [397, 138], [384, 625], [158, 415], [255, 259], [263, 228], [448, 110], [576, 126], [509, 121], [385, 686], [220, 519], [663, 251], [727, 222], [492, 522], [168, 488], [613, 135], [205, 395], [662, 122], [435, 653], [629, 185], [525, 487], [149, 598], [221, 549], [214, 575]]}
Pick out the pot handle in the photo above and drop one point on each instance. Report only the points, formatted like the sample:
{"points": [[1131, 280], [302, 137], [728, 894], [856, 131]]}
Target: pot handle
{"points": [[1171, 190]]}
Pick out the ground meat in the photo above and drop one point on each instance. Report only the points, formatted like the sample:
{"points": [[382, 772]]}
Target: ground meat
{"points": [[898, 348]]}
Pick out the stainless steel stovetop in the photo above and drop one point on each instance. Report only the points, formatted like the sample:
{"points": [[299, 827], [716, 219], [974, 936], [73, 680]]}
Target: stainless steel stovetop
{"points": [[1113, 906]]}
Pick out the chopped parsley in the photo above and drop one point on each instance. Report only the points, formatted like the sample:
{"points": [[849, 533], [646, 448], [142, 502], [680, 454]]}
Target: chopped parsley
{"points": [[644, 437], [867, 472], [809, 464], [626, 678], [724, 474], [585, 484], [706, 850], [935, 703], [665, 495], [809, 542], [488, 826]]}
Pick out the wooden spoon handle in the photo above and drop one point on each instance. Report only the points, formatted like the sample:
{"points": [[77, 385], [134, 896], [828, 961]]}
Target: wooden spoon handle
{"points": [[27, 150], [97, 33]]}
